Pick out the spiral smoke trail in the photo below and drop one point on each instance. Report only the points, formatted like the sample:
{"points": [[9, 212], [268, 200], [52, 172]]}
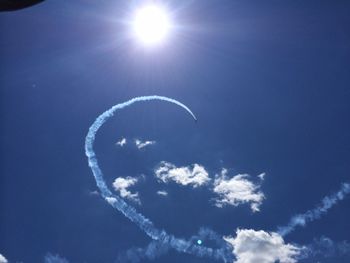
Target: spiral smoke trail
{"points": [[160, 236]]}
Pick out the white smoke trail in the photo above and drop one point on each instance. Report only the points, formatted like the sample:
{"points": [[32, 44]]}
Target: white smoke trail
{"points": [[163, 239], [156, 249], [313, 214]]}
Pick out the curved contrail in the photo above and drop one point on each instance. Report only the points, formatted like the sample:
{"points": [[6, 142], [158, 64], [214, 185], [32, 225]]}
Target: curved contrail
{"points": [[161, 236]]}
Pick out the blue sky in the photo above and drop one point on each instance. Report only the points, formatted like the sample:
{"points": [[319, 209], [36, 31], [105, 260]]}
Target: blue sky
{"points": [[267, 80]]}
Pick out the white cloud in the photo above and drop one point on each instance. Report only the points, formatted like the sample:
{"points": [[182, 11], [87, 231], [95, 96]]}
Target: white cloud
{"points": [[3, 259], [237, 190], [162, 193], [194, 175], [121, 143], [142, 144], [111, 200], [250, 246], [262, 176], [121, 185]]}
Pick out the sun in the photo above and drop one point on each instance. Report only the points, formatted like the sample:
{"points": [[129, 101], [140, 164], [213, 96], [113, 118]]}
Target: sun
{"points": [[151, 24]]}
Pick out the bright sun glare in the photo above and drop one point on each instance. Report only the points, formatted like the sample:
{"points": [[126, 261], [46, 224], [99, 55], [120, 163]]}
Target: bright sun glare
{"points": [[151, 24]]}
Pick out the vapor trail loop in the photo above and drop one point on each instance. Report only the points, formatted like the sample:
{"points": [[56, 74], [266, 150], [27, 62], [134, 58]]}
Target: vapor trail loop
{"points": [[163, 239]]}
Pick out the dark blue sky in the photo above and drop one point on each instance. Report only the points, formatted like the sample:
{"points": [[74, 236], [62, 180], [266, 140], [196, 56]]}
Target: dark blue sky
{"points": [[268, 80]]}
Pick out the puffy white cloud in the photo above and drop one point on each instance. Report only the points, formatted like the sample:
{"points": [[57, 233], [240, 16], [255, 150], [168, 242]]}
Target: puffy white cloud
{"points": [[194, 175], [121, 143], [250, 246], [162, 193], [230, 191], [142, 144], [237, 190], [121, 185], [3, 259]]}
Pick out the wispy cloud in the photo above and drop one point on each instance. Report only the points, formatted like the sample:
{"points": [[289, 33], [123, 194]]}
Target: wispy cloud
{"points": [[94, 193], [121, 185], [194, 175], [262, 176], [50, 258], [3, 259], [325, 247], [313, 214], [162, 193], [142, 144], [250, 246], [121, 142], [152, 251], [237, 190]]}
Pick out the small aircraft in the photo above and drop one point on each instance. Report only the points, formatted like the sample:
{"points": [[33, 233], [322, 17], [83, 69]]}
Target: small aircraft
{"points": [[13, 5]]}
